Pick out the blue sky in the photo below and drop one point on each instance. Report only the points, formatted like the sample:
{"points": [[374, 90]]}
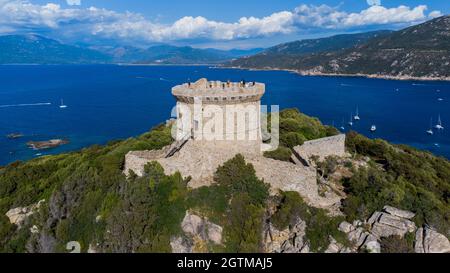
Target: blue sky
{"points": [[207, 23]]}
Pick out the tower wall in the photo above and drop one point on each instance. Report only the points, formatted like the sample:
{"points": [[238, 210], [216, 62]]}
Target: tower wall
{"points": [[220, 113]]}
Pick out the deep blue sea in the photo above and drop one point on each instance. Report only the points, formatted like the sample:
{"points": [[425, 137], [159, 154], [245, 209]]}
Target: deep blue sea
{"points": [[108, 102]]}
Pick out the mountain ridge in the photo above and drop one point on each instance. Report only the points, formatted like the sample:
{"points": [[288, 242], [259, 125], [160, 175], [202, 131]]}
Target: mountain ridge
{"points": [[37, 49], [417, 52]]}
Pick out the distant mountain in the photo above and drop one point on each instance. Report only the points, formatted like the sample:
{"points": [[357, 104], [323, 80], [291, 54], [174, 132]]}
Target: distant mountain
{"points": [[420, 51], [168, 54], [286, 55], [35, 49], [333, 43]]}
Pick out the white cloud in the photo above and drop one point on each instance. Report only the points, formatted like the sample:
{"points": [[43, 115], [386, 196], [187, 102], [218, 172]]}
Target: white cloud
{"points": [[435, 14], [21, 15], [73, 2]]}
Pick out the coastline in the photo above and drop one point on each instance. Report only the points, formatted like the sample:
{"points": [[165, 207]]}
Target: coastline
{"points": [[320, 74], [299, 72]]}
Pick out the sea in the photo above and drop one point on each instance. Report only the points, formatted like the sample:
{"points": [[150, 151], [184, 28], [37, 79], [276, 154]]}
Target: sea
{"points": [[111, 102]]}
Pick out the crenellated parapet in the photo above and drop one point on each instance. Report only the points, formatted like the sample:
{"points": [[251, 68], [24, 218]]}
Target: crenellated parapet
{"points": [[217, 92]]}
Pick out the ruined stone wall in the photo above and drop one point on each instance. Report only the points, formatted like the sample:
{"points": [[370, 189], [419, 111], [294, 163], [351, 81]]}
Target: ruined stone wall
{"points": [[324, 147]]}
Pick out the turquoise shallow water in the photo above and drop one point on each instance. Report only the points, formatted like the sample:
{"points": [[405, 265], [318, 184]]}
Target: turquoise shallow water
{"points": [[114, 102]]}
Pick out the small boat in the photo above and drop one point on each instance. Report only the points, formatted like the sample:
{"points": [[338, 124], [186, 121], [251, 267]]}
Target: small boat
{"points": [[62, 106], [430, 131], [356, 117], [439, 125], [351, 120], [342, 126], [440, 99], [373, 128], [14, 136]]}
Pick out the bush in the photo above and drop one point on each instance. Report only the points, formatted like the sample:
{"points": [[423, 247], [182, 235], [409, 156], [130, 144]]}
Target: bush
{"points": [[292, 139], [240, 177], [149, 213], [290, 208], [243, 219], [396, 244], [245, 222], [210, 201], [319, 226], [282, 154]]}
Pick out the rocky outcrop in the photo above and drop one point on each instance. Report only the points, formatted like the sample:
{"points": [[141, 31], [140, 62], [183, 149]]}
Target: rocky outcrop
{"points": [[290, 240], [430, 241], [386, 225], [390, 222], [181, 244], [197, 226], [17, 216], [198, 233], [393, 222], [399, 213]]}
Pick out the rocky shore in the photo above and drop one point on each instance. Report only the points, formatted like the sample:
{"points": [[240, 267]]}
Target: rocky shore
{"points": [[321, 74], [43, 145]]}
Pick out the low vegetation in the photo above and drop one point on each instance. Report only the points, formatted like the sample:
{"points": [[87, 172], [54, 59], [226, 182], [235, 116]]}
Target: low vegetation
{"points": [[319, 226], [295, 129], [401, 177]]}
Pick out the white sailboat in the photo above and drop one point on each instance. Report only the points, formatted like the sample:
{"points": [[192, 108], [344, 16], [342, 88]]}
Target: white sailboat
{"points": [[430, 131], [343, 127], [351, 120], [356, 117], [62, 106], [439, 125], [373, 128]]}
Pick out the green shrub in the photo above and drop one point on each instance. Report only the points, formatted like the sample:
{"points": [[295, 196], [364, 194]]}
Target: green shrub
{"points": [[244, 229], [282, 154], [240, 177], [396, 244], [210, 201], [404, 178], [291, 207], [319, 226], [292, 139]]}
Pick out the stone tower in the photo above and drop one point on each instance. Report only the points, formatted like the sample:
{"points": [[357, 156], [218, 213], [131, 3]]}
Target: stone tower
{"points": [[222, 114]]}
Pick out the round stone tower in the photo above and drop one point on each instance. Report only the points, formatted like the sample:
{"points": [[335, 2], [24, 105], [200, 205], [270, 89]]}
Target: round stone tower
{"points": [[226, 114]]}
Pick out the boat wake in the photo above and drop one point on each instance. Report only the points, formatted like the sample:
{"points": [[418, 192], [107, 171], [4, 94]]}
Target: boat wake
{"points": [[25, 105]]}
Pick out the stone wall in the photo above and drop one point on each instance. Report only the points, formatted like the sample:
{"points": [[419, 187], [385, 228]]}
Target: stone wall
{"points": [[200, 160], [324, 147]]}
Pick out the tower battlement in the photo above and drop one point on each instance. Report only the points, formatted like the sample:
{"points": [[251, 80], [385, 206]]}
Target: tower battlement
{"points": [[217, 92]]}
